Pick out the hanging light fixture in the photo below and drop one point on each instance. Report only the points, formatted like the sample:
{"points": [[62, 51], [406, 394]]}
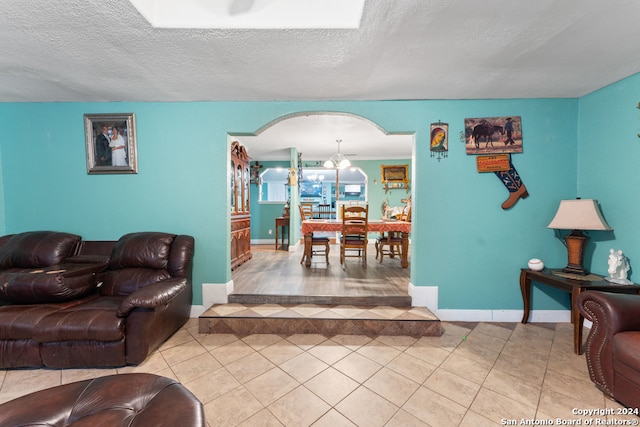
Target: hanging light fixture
{"points": [[337, 161]]}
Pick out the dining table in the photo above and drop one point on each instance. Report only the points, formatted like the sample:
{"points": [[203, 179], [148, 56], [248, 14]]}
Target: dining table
{"points": [[310, 226]]}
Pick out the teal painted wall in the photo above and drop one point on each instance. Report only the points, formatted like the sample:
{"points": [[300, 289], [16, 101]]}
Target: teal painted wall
{"points": [[463, 242], [608, 158]]}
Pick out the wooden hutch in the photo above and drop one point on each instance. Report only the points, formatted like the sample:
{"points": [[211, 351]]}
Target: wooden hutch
{"points": [[239, 177]]}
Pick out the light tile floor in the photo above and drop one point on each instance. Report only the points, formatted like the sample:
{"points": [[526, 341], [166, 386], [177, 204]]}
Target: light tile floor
{"points": [[480, 374]]}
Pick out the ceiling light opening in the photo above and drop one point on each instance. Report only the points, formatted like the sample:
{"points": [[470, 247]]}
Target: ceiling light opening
{"points": [[252, 14]]}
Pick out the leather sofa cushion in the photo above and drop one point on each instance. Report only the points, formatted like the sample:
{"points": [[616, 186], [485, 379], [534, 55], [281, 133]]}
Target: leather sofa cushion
{"points": [[35, 249], [142, 250], [126, 281], [626, 349], [39, 287], [180, 257], [19, 321], [96, 320], [5, 239]]}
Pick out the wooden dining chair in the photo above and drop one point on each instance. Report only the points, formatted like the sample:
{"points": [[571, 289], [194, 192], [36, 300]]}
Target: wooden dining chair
{"points": [[324, 211], [306, 210], [406, 214], [389, 244], [355, 226], [319, 245]]}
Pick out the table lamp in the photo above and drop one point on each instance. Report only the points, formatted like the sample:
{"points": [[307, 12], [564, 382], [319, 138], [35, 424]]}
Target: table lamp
{"points": [[577, 215]]}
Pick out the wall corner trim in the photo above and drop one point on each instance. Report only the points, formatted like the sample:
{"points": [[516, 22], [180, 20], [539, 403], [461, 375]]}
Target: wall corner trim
{"points": [[212, 293]]}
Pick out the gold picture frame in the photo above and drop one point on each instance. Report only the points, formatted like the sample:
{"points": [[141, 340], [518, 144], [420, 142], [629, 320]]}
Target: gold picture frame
{"points": [[395, 173], [395, 177]]}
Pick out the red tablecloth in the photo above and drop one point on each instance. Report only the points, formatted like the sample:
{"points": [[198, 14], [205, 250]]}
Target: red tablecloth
{"points": [[311, 225]]}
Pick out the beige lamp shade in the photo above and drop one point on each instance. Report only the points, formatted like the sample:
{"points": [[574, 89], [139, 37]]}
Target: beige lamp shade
{"points": [[579, 214]]}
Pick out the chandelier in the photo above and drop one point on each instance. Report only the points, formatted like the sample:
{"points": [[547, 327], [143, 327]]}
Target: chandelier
{"points": [[337, 161]]}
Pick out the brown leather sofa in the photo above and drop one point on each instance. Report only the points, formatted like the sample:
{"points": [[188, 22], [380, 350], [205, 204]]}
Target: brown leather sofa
{"points": [[65, 303], [113, 400], [613, 345]]}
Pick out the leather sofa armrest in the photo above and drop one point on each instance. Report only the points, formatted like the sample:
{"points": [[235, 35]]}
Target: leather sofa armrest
{"points": [[613, 311], [153, 296], [610, 313]]}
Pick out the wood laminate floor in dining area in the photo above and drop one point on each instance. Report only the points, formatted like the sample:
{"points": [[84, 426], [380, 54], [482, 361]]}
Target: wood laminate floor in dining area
{"points": [[278, 276]]}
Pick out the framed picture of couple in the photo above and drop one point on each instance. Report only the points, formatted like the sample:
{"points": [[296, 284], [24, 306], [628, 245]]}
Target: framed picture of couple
{"points": [[111, 143]]}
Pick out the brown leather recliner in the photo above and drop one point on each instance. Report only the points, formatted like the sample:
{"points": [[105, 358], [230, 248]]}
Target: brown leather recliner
{"points": [[114, 400], [613, 345], [127, 309]]}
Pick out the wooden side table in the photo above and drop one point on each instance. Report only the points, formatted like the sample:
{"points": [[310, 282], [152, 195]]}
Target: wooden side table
{"points": [[282, 223], [575, 287]]}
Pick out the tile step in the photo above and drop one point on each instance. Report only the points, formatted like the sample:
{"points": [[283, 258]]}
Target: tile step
{"points": [[390, 300], [324, 319]]}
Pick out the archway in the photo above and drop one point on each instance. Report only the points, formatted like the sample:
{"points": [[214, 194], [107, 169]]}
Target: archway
{"points": [[313, 135]]}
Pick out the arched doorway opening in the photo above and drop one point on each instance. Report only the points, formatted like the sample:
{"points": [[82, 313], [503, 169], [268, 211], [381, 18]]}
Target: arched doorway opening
{"points": [[304, 141]]}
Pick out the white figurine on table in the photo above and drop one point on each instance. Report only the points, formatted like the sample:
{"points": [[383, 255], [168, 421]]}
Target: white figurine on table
{"points": [[618, 268]]}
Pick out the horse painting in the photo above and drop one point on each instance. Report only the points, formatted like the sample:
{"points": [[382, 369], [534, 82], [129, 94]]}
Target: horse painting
{"points": [[618, 268], [486, 130]]}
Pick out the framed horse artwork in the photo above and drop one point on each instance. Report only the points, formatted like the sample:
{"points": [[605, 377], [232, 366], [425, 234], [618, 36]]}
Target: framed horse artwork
{"points": [[492, 135]]}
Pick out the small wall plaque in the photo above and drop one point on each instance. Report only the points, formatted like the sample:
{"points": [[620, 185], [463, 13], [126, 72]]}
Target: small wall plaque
{"points": [[497, 163]]}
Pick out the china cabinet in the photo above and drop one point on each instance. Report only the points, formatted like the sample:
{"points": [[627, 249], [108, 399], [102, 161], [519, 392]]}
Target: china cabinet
{"points": [[239, 178]]}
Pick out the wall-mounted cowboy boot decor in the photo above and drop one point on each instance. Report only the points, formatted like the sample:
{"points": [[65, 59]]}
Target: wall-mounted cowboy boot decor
{"points": [[512, 181]]}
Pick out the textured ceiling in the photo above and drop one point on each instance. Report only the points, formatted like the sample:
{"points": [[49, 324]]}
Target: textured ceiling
{"points": [[97, 50], [104, 50]]}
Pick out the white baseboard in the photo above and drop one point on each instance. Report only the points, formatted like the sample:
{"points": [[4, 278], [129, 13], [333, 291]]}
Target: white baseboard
{"points": [[512, 316], [295, 246], [263, 241], [212, 293], [424, 296], [427, 296], [292, 248]]}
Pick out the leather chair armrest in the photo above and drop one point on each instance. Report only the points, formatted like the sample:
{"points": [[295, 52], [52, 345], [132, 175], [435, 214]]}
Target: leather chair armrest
{"points": [[610, 313], [153, 296], [613, 311]]}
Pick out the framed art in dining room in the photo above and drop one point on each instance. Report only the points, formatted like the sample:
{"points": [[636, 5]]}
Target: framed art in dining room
{"points": [[111, 143], [395, 177], [395, 173]]}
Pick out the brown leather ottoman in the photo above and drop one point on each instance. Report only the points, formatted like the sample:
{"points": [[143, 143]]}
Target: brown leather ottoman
{"points": [[114, 400]]}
